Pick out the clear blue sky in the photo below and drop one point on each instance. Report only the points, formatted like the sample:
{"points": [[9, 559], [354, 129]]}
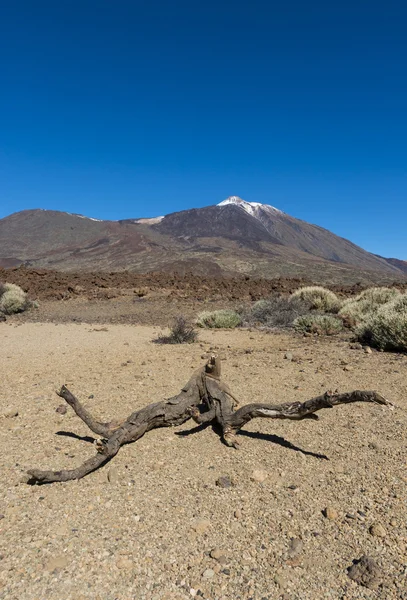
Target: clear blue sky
{"points": [[140, 107]]}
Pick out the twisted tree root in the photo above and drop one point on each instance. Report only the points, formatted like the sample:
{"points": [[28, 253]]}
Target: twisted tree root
{"points": [[204, 398]]}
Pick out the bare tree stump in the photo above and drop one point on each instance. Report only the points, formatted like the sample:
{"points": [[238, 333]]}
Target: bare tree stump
{"points": [[204, 398]]}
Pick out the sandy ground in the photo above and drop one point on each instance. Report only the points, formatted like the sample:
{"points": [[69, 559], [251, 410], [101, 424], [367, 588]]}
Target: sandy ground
{"points": [[149, 532]]}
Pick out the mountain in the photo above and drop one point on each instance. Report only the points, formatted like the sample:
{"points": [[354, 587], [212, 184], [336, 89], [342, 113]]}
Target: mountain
{"points": [[231, 238]]}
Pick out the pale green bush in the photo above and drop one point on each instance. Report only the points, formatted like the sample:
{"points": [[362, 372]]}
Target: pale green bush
{"points": [[320, 324], [387, 327], [13, 299], [219, 319], [367, 302], [319, 298]]}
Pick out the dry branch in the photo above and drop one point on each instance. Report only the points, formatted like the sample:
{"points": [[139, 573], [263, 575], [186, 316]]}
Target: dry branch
{"points": [[204, 398]]}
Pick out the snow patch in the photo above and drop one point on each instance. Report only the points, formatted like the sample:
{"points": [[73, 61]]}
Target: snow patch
{"points": [[252, 208], [148, 221]]}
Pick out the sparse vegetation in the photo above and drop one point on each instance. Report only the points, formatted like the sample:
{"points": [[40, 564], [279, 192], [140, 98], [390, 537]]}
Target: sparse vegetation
{"points": [[218, 319], [181, 332], [319, 298], [13, 299], [320, 324], [386, 328], [277, 311], [367, 303]]}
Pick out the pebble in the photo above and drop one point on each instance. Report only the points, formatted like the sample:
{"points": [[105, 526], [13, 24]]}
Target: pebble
{"points": [[355, 346], [208, 574], [367, 349], [238, 513], [61, 409], [280, 580], [259, 475], [377, 530], [201, 526], [113, 475], [288, 356], [58, 562], [124, 563], [10, 413], [218, 555], [295, 547], [225, 481], [365, 572], [330, 513]]}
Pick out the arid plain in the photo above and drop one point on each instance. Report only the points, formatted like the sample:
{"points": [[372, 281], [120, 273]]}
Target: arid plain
{"points": [[298, 503]]}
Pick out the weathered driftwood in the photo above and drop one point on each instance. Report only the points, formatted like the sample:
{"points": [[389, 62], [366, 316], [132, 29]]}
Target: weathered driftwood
{"points": [[204, 398]]}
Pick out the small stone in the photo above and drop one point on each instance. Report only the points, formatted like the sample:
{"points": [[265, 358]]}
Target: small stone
{"points": [[10, 413], [1, 517], [113, 475], [25, 478], [238, 513], [330, 513], [61, 409], [225, 481], [259, 475], [367, 349], [355, 346], [366, 572], [288, 356], [218, 555], [393, 522], [124, 563], [377, 530], [280, 580], [58, 562], [296, 546], [201, 526], [208, 574], [347, 368]]}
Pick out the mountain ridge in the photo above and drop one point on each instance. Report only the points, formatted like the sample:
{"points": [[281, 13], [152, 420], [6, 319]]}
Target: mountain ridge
{"points": [[230, 238]]}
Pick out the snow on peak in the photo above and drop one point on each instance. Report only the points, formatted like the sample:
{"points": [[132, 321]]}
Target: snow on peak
{"points": [[148, 221], [252, 208]]}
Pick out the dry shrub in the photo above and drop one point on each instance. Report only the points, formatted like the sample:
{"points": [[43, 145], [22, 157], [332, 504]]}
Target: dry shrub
{"points": [[277, 311], [320, 324], [181, 332], [387, 327], [13, 299], [367, 303], [218, 319], [319, 298]]}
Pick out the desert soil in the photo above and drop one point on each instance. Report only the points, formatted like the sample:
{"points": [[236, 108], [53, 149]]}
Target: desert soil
{"points": [[153, 523]]}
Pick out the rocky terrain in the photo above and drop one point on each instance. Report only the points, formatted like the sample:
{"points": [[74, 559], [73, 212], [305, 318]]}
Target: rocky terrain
{"points": [[233, 239], [179, 515]]}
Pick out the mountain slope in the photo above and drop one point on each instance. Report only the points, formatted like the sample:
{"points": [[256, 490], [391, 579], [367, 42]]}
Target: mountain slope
{"points": [[235, 237]]}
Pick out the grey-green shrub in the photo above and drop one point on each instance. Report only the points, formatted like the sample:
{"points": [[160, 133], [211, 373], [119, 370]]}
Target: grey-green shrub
{"points": [[319, 298], [387, 327], [13, 299], [368, 302], [224, 318], [277, 311], [321, 324]]}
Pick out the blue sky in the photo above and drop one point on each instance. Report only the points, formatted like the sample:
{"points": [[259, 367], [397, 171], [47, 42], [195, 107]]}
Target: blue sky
{"points": [[140, 107]]}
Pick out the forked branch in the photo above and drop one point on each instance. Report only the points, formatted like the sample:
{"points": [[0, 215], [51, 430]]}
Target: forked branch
{"points": [[204, 398]]}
